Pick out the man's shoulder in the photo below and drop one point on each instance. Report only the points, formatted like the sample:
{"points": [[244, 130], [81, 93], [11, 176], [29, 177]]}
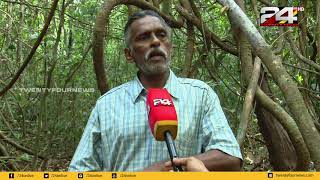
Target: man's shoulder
{"points": [[194, 83]]}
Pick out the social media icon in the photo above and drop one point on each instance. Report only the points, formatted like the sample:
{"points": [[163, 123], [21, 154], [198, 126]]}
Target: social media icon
{"points": [[114, 175], [46, 175], [11, 175], [80, 175], [270, 175]]}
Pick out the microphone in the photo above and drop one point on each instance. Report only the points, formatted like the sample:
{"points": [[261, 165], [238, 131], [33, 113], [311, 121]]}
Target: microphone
{"points": [[163, 120]]}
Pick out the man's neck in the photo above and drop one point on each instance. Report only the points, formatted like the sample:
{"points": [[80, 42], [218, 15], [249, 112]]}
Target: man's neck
{"points": [[156, 81]]}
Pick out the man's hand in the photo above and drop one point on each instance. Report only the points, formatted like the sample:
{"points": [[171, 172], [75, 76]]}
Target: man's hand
{"points": [[159, 166], [213, 160], [189, 164], [216, 160]]}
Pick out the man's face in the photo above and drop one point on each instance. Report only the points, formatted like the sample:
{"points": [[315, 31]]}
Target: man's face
{"points": [[149, 46]]}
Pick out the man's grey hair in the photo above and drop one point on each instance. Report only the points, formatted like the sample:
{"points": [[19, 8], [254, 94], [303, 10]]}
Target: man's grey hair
{"points": [[139, 15]]}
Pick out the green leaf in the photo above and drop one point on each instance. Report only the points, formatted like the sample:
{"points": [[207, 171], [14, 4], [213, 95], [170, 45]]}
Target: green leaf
{"points": [[33, 36], [299, 78], [25, 157]]}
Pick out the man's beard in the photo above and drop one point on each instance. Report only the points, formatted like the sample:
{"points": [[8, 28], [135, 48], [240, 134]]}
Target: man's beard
{"points": [[152, 68]]}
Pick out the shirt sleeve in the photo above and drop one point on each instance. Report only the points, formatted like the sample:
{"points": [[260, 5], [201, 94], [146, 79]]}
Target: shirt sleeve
{"points": [[88, 154], [216, 132]]}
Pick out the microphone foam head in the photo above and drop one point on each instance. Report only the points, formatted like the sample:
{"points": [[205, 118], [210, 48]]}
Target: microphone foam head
{"points": [[162, 114]]}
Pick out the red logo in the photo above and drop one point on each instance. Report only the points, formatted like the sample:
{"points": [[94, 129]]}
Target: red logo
{"points": [[279, 16]]}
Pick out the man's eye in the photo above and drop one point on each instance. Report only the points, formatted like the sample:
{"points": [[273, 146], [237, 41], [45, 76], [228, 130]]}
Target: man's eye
{"points": [[142, 37], [162, 34]]}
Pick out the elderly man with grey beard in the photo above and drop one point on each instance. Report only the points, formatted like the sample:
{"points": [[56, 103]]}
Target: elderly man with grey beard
{"points": [[117, 136]]}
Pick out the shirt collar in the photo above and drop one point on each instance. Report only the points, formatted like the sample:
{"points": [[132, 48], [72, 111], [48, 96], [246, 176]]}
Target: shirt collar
{"points": [[136, 89]]}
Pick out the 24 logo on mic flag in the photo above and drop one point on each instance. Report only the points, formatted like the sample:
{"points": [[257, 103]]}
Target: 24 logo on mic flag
{"points": [[164, 102], [280, 16]]}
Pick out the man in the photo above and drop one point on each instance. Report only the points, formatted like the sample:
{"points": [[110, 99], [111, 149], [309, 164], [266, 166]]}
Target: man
{"points": [[117, 136]]}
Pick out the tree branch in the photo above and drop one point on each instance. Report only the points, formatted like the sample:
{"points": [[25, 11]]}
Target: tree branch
{"points": [[248, 101], [286, 84], [18, 146], [202, 28], [266, 2], [186, 72], [308, 70], [296, 51], [3, 152], [46, 8], [33, 50], [317, 29]]}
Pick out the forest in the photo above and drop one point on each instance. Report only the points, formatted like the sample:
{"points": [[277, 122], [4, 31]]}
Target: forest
{"points": [[58, 57]]}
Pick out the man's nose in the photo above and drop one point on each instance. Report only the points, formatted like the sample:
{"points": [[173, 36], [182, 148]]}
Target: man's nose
{"points": [[155, 41]]}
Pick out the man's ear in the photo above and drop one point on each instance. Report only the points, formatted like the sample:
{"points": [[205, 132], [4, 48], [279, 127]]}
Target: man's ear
{"points": [[128, 54]]}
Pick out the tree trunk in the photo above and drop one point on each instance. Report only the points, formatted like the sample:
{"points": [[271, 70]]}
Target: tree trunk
{"points": [[282, 78], [166, 6], [19, 34], [266, 125], [282, 154], [317, 29], [274, 134], [186, 72]]}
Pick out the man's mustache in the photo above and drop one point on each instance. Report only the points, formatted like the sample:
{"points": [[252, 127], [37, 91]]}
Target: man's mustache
{"points": [[156, 52]]}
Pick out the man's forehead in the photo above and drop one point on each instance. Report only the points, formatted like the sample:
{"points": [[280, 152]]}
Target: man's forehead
{"points": [[146, 23]]}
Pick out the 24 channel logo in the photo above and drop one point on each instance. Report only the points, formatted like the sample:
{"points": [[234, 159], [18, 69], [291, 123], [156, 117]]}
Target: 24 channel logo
{"points": [[280, 16]]}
